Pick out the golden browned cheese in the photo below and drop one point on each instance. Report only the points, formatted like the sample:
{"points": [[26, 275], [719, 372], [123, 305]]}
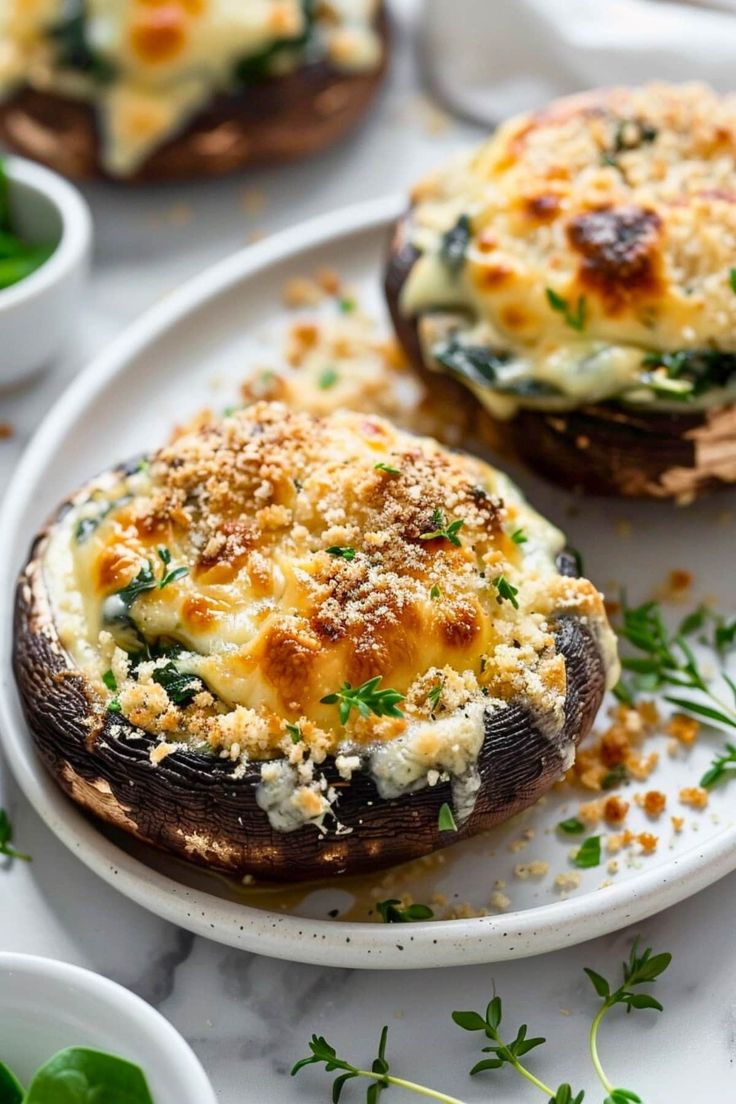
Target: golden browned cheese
{"points": [[287, 554], [157, 63], [620, 205]]}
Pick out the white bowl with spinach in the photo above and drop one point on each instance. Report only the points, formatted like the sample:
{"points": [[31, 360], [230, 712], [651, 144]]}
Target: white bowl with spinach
{"points": [[45, 243], [67, 1034]]}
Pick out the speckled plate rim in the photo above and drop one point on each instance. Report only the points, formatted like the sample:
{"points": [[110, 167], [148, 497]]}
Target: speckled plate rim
{"points": [[362, 945]]}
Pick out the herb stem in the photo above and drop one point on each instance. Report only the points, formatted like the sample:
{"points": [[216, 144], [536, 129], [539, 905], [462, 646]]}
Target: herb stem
{"points": [[411, 1086], [514, 1061], [594, 1046]]}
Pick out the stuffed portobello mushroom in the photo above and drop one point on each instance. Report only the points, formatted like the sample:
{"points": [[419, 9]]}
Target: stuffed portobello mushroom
{"points": [[139, 90], [576, 276], [284, 643]]}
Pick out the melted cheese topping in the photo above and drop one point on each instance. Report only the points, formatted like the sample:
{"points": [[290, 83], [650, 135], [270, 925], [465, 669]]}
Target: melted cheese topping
{"points": [[165, 59], [249, 515], [623, 201]]}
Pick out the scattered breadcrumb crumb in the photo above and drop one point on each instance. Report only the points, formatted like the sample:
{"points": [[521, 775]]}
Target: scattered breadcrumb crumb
{"points": [[615, 810], [684, 729], [653, 802], [567, 881], [695, 796], [676, 587], [499, 901], [300, 291], [6, 431], [535, 869], [677, 823]]}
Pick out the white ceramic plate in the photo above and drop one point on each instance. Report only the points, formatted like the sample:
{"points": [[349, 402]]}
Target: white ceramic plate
{"points": [[46, 1006], [192, 350]]}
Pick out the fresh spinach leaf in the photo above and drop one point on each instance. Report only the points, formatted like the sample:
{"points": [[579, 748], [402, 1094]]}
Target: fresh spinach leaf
{"points": [[180, 687], [82, 1076], [475, 363], [699, 369], [454, 244], [257, 67], [11, 1090], [72, 46]]}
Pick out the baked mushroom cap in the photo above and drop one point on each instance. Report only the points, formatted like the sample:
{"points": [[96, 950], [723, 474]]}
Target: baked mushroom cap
{"points": [[281, 645], [575, 275], [196, 90]]}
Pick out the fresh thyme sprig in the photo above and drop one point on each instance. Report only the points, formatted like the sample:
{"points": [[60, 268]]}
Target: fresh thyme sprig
{"points": [[503, 1053], [379, 1073], [6, 835], [640, 969], [667, 661], [443, 530], [721, 769], [367, 699]]}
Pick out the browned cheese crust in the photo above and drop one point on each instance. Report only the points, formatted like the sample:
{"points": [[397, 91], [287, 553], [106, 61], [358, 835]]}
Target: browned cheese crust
{"points": [[201, 803], [277, 120], [639, 223]]}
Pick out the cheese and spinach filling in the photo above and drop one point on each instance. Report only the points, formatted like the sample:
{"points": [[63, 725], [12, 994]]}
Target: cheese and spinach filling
{"points": [[277, 588], [585, 254], [149, 67]]}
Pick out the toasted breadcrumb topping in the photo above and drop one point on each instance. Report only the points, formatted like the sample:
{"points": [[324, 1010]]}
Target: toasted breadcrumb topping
{"points": [[304, 557]]}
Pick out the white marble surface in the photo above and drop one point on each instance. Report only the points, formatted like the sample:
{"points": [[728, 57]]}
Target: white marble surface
{"points": [[248, 1017]]}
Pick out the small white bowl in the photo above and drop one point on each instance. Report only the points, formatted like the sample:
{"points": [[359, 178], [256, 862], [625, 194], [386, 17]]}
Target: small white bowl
{"points": [[37, 313], [46, 1006]]}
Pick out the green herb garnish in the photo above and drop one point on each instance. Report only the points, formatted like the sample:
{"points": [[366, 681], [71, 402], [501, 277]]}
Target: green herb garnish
{"points": [[367, 699], [721, 769], [6, 836], [391, 912], [346, 305], [506, 592], [114, 706], [295, 732], [435, 592], [575, 319], [732, 279], [572, 826], [589, 853], [666, 661], [446, 819], [442, 530], [170, 576], [327, 379], [519, 537], [454, 244], [387, 469], [615, 776], [110, 681], [341, 552], [434, 695], [639, 970]]}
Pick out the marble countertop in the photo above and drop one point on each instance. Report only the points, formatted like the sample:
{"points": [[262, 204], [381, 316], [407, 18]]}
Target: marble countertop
{"points": [[249, 1018]]}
